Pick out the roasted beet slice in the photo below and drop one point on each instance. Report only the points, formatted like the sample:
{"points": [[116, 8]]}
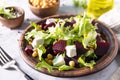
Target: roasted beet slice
{"points": [[59, 46], [43, 24], [49, 49], [70, 23], [99, 39], [94, 22], [102, 48], [29, 49], [73, 21], [67, 59], [48, 25], [80, 48]]}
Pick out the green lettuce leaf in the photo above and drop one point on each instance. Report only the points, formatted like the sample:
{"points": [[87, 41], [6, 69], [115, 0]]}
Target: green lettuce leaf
{"points": [[83, 63], [34, 25], [65, 68], [41, 50], [89, 54], [7, 13], [90, 40], [33, 34], [44, 64]]}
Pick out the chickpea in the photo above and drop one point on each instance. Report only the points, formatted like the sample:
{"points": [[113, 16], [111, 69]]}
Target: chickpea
{"points": [[40, 3], [31, 1], [43, 6], [50, 4], [34, 50], [54, 1], [38, 6], [50, 62], [34, 3], [49, 56], [39, 27], [46, 59], [35, 53], [72, 63], [37, 2]]}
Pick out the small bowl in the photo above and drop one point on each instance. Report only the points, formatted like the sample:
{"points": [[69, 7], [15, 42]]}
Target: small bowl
{"points": [[13, 22], [103, 62], [44, 12]]}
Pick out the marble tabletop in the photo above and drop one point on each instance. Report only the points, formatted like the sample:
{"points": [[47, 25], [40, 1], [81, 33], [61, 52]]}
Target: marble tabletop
{"points": [[9, 41]]}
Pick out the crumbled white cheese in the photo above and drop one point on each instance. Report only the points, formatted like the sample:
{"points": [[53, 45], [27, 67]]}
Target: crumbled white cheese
{"points": [[71, 50], [37, 41], [59, 60], [50, 21]]}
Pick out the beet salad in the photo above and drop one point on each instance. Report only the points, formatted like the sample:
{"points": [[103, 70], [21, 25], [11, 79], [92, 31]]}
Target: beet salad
{"points": [[66, 43]]}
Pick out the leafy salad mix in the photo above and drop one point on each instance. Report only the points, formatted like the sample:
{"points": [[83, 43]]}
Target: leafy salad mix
{"points": [[8, 13], [64, 44]]}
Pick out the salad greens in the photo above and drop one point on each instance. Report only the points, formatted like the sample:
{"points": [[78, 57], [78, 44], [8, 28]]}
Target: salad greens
{"points": [[89, 54], [45, 65], [65, 68], [7, 12], [82, 30]]}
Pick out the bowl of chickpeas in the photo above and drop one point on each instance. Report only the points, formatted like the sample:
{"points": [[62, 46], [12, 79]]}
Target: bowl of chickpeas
{"points": [[44, 8]]}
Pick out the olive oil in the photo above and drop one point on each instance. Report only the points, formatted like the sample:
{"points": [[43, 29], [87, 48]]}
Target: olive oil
{"points": [[97, 7]]}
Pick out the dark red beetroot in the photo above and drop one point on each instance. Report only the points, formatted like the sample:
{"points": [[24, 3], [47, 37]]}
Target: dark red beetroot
{"points": [[94, 22], [67, 59], [48, 51], [99, 39], [69, 23], [73, 21], [102, 48], [45, 26], [59, 46], [80, 48], [29, 49]]}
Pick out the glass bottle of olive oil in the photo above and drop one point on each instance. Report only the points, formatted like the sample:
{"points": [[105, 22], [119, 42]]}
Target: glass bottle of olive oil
{"points": [[98, 7]]}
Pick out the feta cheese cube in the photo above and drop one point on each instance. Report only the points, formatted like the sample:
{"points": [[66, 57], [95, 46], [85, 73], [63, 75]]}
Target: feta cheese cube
{"points": [[59, 60], [71, 50], [37, 41]]}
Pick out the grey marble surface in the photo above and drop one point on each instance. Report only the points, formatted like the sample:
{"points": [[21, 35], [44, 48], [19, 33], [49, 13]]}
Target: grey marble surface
{"points": [[9, 41]]}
